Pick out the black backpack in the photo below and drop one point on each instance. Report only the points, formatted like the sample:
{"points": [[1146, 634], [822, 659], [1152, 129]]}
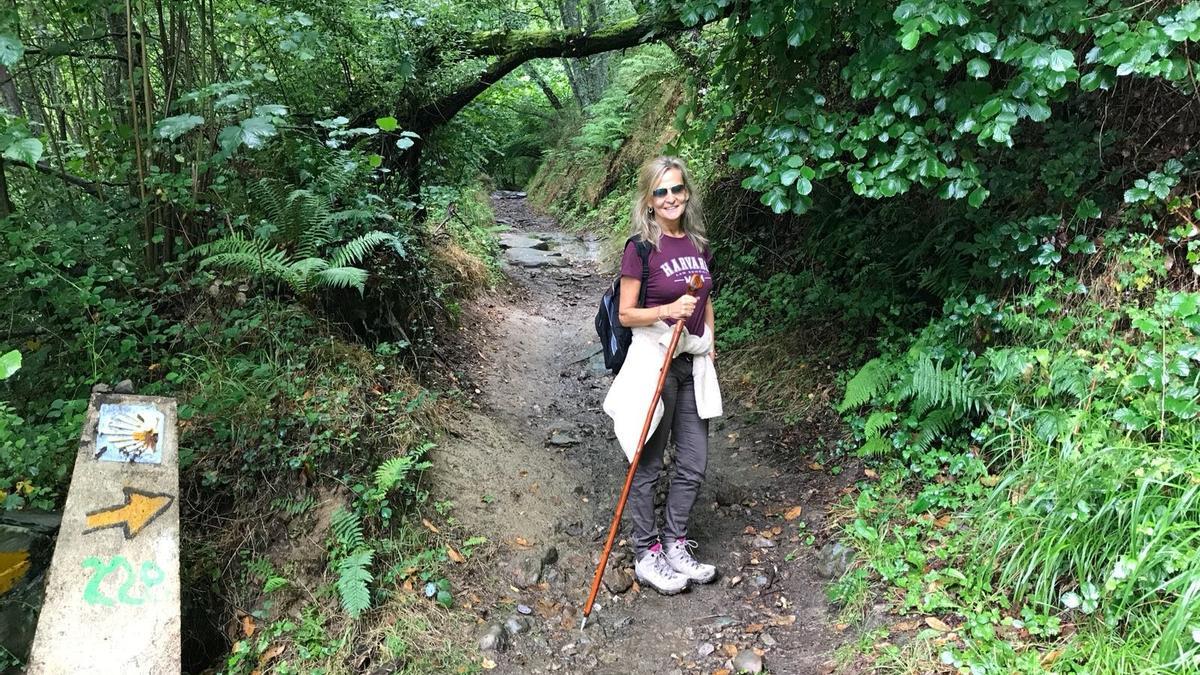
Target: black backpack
{"points": [[615, 338]]}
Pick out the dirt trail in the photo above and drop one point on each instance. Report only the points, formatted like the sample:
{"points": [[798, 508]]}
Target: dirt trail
{"points": [[535, 468]]}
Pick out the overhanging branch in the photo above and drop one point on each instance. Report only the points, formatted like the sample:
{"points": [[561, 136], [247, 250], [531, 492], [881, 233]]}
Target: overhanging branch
{"points": [[574, 42], [88, 186], [513, 48]]}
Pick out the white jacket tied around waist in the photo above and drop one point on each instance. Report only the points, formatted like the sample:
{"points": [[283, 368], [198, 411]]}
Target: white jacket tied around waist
{"points": [[631, 391]]}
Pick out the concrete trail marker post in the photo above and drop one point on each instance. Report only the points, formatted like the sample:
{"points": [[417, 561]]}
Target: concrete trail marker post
{"points": [[112, 596]]}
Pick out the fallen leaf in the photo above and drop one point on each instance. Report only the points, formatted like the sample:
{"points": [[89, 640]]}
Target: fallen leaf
{"points": [[730, 649], [546, 608], [793, 513], [455, 555], [937, 624], [430, 526], [1050, 656], [248, 626], [753, 628], [270, 655], [408, 584], [870, 473], [488, 664]]}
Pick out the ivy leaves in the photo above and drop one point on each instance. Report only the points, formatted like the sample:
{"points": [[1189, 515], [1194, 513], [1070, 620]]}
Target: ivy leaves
{"points": [[251, 128], [11, 49], [917, 96], [170, 128], [27, 150]]}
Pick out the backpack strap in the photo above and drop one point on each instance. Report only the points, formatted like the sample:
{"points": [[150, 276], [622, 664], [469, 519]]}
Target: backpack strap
{"points": [[643, 251]]}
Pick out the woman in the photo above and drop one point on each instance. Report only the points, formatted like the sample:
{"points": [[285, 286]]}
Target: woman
{"points": [[667, 215]]}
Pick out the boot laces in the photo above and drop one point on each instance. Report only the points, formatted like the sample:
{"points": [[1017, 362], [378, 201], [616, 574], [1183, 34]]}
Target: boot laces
{"points": [[683, 555], [662, 566]]}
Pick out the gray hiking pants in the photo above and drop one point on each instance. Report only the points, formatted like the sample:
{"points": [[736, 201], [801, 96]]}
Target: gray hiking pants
{"points": [[690, 433]]}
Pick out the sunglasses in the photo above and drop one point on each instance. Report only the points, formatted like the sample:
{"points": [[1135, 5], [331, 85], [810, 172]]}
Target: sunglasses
{"points": [[675, 190]]}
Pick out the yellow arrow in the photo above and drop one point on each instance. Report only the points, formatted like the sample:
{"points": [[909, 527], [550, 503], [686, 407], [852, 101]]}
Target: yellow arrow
{"points": [[139, 510], [13, 566]]}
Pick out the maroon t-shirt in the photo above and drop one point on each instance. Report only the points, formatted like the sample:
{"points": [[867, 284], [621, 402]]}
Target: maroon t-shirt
{"points": [[671, 264]]}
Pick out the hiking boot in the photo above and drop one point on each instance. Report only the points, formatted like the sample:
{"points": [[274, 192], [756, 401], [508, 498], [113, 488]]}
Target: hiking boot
{"points": [[677, 556], [653, 570]]}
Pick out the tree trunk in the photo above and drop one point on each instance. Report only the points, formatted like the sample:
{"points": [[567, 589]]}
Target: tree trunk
{"points": [[542, 84], [8, 89], [588, 76]]}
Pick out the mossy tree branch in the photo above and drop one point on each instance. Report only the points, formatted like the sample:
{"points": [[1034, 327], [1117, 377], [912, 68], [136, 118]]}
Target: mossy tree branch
{"points": [[510, 50], [514, 48]]}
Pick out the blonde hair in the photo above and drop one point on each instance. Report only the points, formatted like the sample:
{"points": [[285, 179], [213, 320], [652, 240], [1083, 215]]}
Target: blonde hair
{"points": [[644, 225]]}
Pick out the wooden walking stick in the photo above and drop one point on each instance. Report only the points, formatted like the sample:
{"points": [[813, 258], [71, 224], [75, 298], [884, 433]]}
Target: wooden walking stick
{"points": [[695, 283]]}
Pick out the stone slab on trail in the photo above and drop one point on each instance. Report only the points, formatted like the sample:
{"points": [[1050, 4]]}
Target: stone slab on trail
{"points": [[527, 257], [512, 240], [112, 596]]}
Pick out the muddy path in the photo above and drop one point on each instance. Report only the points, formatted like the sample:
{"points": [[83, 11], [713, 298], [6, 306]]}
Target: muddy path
{"points": [[533, 466]]}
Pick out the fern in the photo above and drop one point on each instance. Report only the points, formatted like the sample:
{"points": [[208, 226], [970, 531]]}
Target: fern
{"points": [[274, 583], [355, 250], [933, 426], [874, 447], [341, 277], [1070, 376], [872, 378], [347, 530], [392, 472], [260, 568], [1049, 424], [932, 387], [878, 422], [303, 224], [353, 576]]}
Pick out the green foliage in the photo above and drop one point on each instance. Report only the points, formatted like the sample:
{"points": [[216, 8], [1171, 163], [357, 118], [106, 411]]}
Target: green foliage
{"points": [[900, 97], [10, 363], [607, 123], [353, 577], [300, 226], [394, 471], [347, 530], [351, 562], [869, 381]]}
